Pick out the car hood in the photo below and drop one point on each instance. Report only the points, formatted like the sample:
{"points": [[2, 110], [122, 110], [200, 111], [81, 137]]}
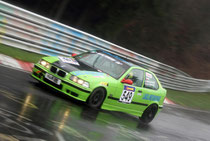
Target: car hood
{"points": [[90, 74], [82, 70], [94, 77]]}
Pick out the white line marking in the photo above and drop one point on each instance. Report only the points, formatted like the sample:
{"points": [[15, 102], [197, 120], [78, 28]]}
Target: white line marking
{"points": [[7, 60], [14, 68], [59, 136], [27, 138], [15, 114]]}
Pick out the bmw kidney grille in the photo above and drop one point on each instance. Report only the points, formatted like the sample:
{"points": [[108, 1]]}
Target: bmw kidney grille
{"points": [[57, 71]]}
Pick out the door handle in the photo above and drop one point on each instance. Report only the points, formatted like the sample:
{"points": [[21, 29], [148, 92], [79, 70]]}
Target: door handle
{"points": [[139, 91]]}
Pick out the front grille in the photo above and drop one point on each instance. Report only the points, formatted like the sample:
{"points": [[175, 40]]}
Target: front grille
{"points": [[53, 69], [61, 73], [57, 71], [35, 74], [40, 75]]}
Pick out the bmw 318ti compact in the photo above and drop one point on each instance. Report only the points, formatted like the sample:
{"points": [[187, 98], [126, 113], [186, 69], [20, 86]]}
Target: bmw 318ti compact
{"points": [[104, 80]]}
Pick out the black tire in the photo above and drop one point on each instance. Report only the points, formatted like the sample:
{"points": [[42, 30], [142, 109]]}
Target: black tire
{"points": [[96, 98], [149, 114]]}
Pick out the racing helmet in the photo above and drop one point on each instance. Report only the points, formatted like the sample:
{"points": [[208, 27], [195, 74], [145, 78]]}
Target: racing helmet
{"points": [[130, 75]]}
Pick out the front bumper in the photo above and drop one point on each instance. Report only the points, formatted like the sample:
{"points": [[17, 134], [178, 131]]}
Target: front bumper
{"points": [[65, 87]]}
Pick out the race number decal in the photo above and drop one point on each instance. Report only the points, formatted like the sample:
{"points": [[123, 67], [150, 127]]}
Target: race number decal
{"points": [[127, 94]]}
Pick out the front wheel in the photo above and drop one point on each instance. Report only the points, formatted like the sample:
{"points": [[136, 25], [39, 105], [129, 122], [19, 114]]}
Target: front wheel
{"points": [[149, 114], [96, 98]]}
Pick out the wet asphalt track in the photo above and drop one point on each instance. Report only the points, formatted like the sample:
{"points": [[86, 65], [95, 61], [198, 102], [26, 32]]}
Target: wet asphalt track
{"points": [[30, 111]]}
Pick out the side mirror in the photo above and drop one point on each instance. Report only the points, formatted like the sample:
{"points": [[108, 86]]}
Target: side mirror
{"points": [[127, 81], [73, 54]]}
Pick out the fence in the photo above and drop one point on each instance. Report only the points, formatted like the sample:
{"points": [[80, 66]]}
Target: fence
{"points": [[28, 31]]}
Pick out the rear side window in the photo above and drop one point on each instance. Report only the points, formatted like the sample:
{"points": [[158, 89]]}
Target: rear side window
{"points": [[150, 81], [137, 76]]}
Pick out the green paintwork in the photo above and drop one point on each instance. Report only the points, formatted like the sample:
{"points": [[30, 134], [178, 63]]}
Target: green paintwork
{"points": [[114, 88]]}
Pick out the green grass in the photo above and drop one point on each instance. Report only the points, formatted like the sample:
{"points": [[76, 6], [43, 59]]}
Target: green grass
{"points": [[20, 54], [191, 100], [186, 99]]}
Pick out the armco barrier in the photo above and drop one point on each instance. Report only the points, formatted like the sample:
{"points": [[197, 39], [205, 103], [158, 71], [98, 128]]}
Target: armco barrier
{"points": [[28, 31]]}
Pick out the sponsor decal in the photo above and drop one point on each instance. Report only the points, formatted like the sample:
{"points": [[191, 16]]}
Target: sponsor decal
{"points": [[148, 75], [127, 94], [150, 83], [104, 83], [129, 88], [68, 60], [151, 97]]}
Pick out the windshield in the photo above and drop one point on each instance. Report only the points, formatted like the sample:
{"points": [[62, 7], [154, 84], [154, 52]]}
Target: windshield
{"points": [[104, 63]]}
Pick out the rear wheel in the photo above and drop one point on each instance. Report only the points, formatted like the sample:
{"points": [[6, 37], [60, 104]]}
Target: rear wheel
{"points": [[96, 98], [149, 114]]}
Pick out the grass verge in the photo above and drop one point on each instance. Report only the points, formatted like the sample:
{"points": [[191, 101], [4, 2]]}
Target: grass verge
{"points": [[20, 54], [196, 100]]}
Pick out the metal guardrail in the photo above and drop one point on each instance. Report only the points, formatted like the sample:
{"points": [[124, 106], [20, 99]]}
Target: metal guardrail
{"points": [[28, 31]]}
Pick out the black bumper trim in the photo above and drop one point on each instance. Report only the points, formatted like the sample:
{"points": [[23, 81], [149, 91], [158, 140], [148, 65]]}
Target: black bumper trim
{"points": [[143, 104], [114, 98], [86, 91]]}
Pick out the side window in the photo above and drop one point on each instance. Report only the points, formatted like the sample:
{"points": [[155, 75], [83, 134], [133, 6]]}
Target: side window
{"points": [[150, 81], [137, 76]]}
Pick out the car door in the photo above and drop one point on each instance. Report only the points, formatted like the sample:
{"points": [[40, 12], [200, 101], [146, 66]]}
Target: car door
{"points": [[130, 96]]}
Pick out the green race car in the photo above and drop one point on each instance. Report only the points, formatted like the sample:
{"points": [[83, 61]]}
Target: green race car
{"points": [[104, 80]]}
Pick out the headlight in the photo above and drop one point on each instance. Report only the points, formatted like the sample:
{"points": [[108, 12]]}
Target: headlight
{"points": [[45, 64], [79, 81], [85, 84], [74, 78]]}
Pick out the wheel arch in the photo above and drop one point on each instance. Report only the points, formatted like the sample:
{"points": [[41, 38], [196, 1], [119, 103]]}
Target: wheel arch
{"points": [[153, 103], [105, 90], [150, 104], [146, 116]]}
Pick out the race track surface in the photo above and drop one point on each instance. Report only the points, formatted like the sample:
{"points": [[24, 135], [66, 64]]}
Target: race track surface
{"points": [[30, 111]]}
